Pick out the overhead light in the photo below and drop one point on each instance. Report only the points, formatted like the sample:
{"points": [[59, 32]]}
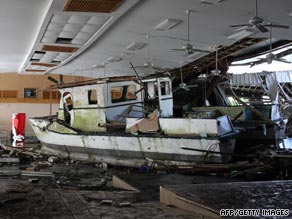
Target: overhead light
{"points": [[167, 24], [241, 34], [215, 72], [202, 76], [113, 59], [211, 2], [135, 46], [290, 14], [98, 66]]}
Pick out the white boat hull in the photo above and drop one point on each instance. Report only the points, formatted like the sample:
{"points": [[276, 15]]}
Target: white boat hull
{"points": [[127, 150]]}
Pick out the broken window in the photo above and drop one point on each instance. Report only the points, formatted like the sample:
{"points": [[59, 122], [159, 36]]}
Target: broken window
{"points": [[116, 94], [123, 93], [92, 97], [131, 92], [68, 106], [165, 88]]}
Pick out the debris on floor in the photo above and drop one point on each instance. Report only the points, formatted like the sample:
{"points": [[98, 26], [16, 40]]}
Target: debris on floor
{"points": [[40, 186]]}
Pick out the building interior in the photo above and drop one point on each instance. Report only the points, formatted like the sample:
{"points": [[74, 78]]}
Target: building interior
{"points": [[145, 108]]}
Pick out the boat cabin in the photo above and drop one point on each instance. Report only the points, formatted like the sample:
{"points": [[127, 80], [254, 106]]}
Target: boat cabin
{"points": [[88, 107]]}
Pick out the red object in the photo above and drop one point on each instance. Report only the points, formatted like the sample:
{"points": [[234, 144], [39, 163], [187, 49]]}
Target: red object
{"points": [[19, 124]]}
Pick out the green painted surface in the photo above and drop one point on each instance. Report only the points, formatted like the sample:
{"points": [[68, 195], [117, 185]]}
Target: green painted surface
{"points": [[60, 128], [231, 111], [77, 103], [61, 114], [88, 120]]}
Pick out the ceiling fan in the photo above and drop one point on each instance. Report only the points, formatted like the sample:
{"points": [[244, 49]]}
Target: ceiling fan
{"points": [[260, 61], [148, 63], [188, 48], [259, 23], [270, 57], [183, 86], [216, 71]]}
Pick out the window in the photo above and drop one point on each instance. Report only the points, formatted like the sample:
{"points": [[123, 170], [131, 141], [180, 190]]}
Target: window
{"points": [[92, 97], [68, 107], [123, 93], [67, 98], [116, 94], [165, 88], [29, 93], [131, 92]]}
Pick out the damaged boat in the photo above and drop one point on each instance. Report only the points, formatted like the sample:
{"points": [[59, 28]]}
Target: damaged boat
{"points": [[127, 122]]}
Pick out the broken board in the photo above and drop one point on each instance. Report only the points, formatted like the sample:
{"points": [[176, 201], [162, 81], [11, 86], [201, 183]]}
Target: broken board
{"points": [[208, 199]]}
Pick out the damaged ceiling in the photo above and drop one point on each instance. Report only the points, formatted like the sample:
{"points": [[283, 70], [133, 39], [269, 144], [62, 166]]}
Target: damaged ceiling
{"points": [[99, 38]]}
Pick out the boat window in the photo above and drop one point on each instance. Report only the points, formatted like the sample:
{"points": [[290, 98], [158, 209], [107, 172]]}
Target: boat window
{"points": [[131, 92], [67, 98], [156, 89], [92, 97], [165, 88], [116, 94], [123, 93], [68, 107]]}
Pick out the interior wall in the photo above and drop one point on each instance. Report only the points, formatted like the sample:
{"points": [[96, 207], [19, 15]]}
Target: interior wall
{"points": [[30, 109], [15, 81], [39, 107]]}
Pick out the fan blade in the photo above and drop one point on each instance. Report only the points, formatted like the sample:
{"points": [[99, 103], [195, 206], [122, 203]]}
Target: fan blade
{"points": [[276, 26], [180, 88], [178, 49], [241, 25], [142, 66], [282, 60], [200, 50], [242, 64], [157, 68], [261, 28]]}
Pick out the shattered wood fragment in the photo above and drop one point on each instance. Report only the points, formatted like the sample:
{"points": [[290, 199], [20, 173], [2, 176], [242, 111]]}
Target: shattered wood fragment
{"points": [[9, 160], [35, 173], [11, 201], [145, 125], [10, 172], [33, 180], [124, 204], [107, 202], [18, 188], [20, 150]]}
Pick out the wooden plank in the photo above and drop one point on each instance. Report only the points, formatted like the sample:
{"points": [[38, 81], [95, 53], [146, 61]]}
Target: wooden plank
{"points": [[9, 93], [28, 100], [170, 198], [119, 183]]}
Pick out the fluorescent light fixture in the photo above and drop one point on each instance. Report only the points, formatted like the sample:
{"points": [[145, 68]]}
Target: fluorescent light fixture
{"points": [[211, 2], [98, 66], [241, 34], [113, 59], [135, 46], [167, 24]]}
